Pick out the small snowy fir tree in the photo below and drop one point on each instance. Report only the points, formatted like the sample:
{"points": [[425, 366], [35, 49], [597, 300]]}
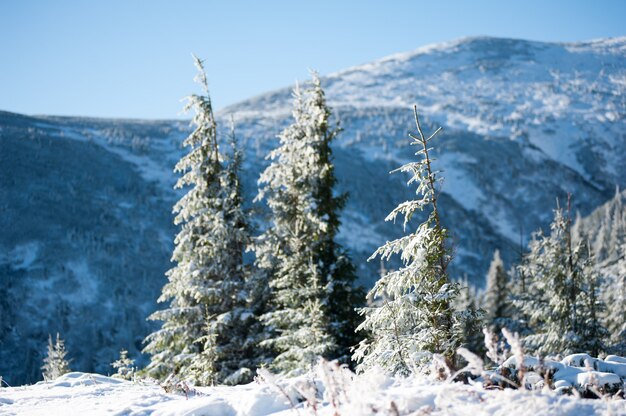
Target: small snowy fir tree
{"points": [[496, 298], [200, 338], [310, 276], [123, 366], [237, 355], [516, 320], [605, 228], [594, 335], [614, 294], [416, 317], [467, 304], [55, 364], [561, 299]]}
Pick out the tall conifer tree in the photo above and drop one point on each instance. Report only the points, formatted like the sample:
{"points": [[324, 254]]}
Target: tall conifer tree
{"points": [[561, 299], [496, 298], [467, 304], [416, 316], [311, 278], [615, 296], [202, 328]]}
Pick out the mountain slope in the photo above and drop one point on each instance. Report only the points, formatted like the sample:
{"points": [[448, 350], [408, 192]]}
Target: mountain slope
{"points": [[85, 203]]}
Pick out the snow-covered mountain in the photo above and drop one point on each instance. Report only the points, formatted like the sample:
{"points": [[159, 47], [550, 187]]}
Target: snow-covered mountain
{"points": [[524, 122], [85, 204]]}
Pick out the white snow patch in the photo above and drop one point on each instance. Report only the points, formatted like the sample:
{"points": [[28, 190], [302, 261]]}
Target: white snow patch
{"points": [[457, 183], [148, 168], [615, 359], [87, 288]]}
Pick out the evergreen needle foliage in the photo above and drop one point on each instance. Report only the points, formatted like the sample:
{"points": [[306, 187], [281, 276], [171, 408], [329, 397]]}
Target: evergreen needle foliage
{"points": [[55, 364], [561, 298], [124, 367], [311, 304], [496, 297], [605, 229], [415, 316], [203, 337], [467, 304], [615, 295]]}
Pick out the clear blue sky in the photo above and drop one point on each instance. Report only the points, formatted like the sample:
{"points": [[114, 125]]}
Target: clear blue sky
{"points": [[132, 58]]}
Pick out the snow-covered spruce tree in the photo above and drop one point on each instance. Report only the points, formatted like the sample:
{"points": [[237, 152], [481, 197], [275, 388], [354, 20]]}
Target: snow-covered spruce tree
{"points": [[124, 367], [311, 278], [336, 269], [515, 321], [55, 364], [416, 316], [605, 228], [561, 299], [496, 298], [594, 335], [615, 295], [200, 338], [467, 304], [235, 345]]}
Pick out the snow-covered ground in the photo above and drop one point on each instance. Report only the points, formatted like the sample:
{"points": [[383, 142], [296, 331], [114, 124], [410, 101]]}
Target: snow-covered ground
{"points": [[329, 391]]}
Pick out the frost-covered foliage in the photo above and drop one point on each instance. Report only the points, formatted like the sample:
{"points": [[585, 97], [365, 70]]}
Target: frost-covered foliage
{"points": [[468, 305], [55, 364], [561, 298], [202, 337], [310, 276], [496, 302], [614, 294], [606, 229], [415, 315], [124, 367]]}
